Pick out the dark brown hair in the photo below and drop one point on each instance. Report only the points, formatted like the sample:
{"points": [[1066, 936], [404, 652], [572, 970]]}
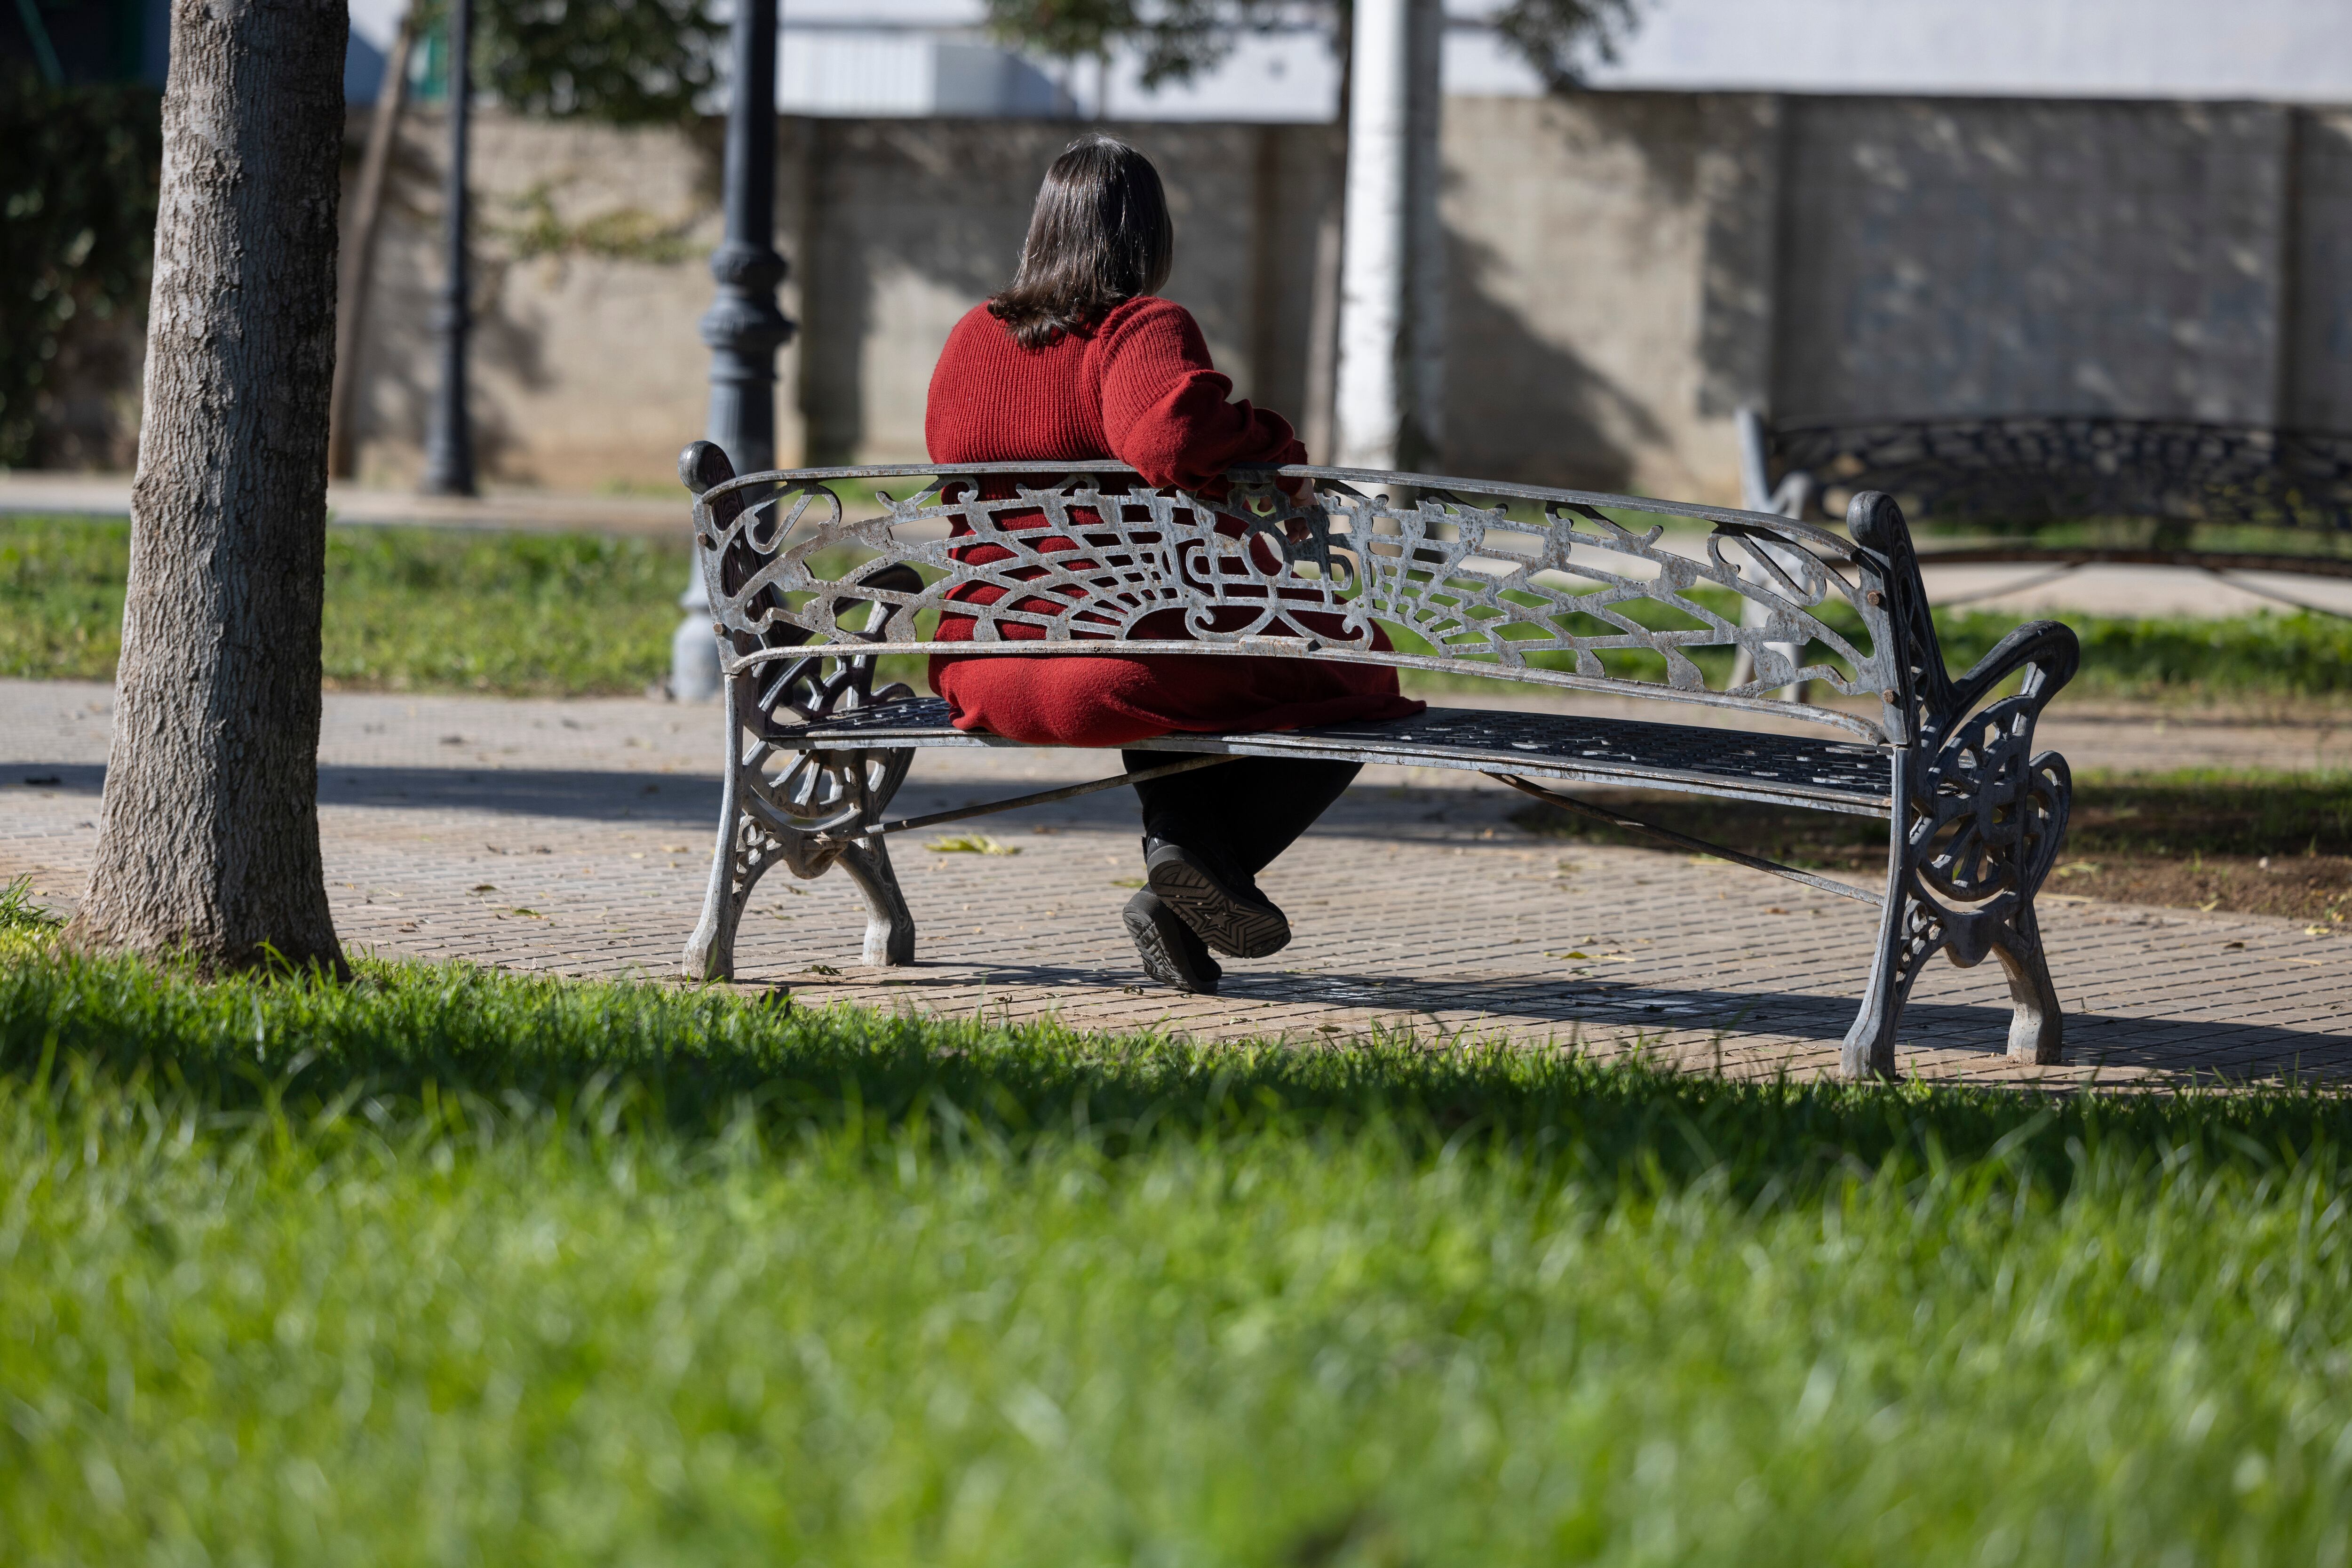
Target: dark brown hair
{"points": [[1098, 236]]}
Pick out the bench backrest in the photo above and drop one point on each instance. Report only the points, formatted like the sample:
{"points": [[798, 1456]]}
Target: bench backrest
{"points": [[2024, 470], [1559, 588]]}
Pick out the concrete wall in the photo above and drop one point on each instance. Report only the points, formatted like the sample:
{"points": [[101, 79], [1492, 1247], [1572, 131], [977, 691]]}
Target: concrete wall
{"points": [[1987, 257], [906, 225], [586, 368], [1625, 269], [2320, 361], [1598, 249]]}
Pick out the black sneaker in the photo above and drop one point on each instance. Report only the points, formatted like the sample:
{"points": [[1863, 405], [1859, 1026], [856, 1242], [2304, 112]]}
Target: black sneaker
{"points": [[1171, 954], [1230, 913]]}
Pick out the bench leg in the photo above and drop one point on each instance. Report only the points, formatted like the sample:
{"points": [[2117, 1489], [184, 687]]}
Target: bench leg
{"points": [[746, 849], [1913, 931], [2034, 804], [1907, 933], [755, 813], [889, 925], [1999, 871], [2037, 1030], [745, 852]]}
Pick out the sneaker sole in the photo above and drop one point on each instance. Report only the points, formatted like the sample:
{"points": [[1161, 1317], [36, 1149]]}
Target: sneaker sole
{"points": [[1160, 960], [1233, 929]]}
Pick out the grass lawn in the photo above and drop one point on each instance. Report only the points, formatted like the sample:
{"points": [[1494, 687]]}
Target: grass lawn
{"points": [[450, 1267], [407, 608], [414, 608], [2247, 842]]}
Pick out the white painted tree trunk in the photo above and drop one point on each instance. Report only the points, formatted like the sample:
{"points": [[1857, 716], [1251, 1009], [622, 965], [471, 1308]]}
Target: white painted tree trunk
{"points": [[1757, 494], [1423, 441], [208, 841], [1391, 290]]}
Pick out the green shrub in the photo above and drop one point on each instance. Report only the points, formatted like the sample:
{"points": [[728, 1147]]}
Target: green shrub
{"points": [[77, 187]]}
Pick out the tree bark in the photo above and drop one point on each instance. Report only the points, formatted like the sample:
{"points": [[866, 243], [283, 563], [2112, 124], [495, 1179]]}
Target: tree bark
{"points": [[208, 842]]}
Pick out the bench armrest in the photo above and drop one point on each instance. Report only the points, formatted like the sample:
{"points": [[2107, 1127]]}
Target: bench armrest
{"points": [[2049, 649], [1925, 702]]}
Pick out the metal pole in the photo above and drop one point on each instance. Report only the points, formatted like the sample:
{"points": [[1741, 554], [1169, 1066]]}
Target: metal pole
{"points": [[744, 327], [449, 444]]}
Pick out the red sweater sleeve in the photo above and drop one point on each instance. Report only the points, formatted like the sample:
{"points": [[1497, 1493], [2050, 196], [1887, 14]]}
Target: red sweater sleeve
{"points": [[1165, 408]]}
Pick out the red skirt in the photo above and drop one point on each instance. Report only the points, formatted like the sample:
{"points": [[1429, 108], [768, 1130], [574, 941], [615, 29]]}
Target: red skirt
{"points": [[1114, 699]]}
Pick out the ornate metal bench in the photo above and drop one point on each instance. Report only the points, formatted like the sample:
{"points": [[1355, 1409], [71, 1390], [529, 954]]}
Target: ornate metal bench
{"points": [[2020, 472], [1516, 582]]}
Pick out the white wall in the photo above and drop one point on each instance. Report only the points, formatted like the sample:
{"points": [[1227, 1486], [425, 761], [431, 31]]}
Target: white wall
{"points": [[930, 57], [861, 72], [2293, 50]]}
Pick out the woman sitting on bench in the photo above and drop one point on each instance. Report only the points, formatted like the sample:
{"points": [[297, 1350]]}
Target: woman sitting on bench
{"points": [[1080, 359]]}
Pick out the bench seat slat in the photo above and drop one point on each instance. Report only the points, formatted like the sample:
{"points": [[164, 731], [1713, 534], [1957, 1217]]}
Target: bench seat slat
{"points": [[1790, 770]]}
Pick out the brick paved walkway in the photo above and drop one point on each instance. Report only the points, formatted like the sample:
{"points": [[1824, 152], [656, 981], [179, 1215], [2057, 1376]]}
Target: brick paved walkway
{"points": [[572, 836]]}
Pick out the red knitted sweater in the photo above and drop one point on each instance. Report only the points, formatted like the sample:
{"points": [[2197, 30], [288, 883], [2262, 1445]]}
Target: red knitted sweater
{"points": [[1141, 390]]}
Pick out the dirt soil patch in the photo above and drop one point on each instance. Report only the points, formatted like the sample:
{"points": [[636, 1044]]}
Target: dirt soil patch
{"points": [[2268, 844]]}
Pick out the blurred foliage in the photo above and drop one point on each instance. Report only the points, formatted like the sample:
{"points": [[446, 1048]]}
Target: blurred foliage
{"points": [[1557, 37], [80, 169], [1177, 40], [2305, 652], [621, 234], [626, 62], [77, 183], [411, 608]]}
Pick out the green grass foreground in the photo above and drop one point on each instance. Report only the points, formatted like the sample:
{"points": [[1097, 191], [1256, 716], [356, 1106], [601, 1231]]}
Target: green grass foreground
{"points": [[446, 1266], [530, 614]]}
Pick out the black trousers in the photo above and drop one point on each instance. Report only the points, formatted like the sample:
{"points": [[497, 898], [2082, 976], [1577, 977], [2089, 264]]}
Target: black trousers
{"points": [[1245, 812]]}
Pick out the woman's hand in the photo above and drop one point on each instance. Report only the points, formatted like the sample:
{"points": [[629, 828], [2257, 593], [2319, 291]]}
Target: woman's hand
{"points": [[1301, 493]]}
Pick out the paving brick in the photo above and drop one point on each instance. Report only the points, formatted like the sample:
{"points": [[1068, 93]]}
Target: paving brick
{"points": [[573, 838]]}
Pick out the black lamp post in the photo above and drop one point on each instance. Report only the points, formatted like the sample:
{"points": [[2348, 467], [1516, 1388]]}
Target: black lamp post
{"points": [[449, 443], [743, 326]]}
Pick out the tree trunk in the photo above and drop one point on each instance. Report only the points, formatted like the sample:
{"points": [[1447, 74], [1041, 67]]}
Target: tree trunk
{"points": [[359, 266], [209, 837]]}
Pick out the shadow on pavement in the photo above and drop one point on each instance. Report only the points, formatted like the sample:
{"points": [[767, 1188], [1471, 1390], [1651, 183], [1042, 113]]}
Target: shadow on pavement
{"points": [[612, 796], [2205, 1050]]}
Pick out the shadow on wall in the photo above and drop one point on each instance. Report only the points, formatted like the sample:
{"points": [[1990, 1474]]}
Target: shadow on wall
{"points": [[399, 363], [543, 205], [400, 387], [2321, 350], [1965, 259], [910, 224], [1526, 409]]}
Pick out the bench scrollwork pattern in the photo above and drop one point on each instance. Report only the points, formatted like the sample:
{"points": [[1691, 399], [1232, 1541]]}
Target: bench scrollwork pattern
{"points": [[1984, 813], [1538, 586], [1560, 588]]}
